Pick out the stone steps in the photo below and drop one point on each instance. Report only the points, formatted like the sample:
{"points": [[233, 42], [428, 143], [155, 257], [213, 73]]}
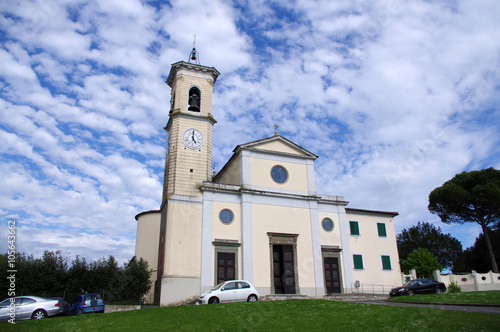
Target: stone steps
{"points": [[337, 297], [355, 297]]}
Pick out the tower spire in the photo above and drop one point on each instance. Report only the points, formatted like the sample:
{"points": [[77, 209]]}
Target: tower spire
{"points": [[194, 53]]}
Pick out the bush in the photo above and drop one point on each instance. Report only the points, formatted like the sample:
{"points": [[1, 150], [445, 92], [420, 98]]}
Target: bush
{"points": [[454, 288], [54, 275]]}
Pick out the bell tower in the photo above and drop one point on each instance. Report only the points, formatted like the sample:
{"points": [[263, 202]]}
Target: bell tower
{"points": [[189, 143], [188, 164]]}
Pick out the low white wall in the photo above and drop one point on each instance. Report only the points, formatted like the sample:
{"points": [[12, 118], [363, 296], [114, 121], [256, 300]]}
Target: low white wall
{"points": [[114, 308], [471, 282], [408, 277]]}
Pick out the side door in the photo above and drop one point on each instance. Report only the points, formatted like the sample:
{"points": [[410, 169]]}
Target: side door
{"points": [[27, 307], [332, 280], [229, 292], [243, 291], [5, 310], [93, 302], [75, 303], [225, 266], [418, 287], [428, 285]]}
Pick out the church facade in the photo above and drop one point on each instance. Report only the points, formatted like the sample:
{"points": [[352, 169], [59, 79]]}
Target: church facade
{"points": [[259, 219]]}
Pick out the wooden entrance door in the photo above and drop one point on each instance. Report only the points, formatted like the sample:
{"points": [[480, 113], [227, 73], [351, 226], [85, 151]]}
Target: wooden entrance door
{"points": [[225, 266], [332, 279], [283, 269]]}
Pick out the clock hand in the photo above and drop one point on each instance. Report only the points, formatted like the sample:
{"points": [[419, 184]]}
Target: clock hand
{"points": [[193, 138]]}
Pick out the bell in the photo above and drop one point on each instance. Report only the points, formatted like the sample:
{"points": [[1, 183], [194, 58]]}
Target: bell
{"points": [[193, 54]]}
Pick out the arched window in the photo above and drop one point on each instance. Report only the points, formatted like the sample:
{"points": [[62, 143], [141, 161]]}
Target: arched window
{"points": [[194, 99]]}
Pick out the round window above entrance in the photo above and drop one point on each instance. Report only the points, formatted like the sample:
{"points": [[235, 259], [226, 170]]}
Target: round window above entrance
{"points": [[279, 174], [226, 216], [327, 224]]}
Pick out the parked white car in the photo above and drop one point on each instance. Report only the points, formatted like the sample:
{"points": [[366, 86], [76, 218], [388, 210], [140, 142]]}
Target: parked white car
{"points": [[230, 291]]}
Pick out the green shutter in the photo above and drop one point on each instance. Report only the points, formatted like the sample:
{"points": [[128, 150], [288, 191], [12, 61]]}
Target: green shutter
{"points": [[381, 229], [358, 262], [386, 263], [354, 227]]}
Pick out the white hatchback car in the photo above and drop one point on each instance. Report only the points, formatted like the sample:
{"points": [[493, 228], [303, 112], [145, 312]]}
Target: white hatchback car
{"points": [[230, 291]]}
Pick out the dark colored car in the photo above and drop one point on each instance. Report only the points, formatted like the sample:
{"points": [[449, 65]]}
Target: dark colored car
{"points": [[28, 307], [419, 286], [86, 303]]}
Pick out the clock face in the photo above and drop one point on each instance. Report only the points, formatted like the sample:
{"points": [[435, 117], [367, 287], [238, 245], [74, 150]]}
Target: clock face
{"points": [[193, 138]]}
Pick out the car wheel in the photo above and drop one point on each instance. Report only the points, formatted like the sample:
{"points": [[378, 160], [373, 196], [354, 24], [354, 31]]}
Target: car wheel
{"points": [[252, 298], [79, 311], [410, 292], [213, 300], [439, 290], [39, 314]]}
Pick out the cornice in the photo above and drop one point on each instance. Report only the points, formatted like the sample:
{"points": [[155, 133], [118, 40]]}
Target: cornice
{"points": [[362, 211], [239, 190], [178, 113], [146, 212], [191, 66]]}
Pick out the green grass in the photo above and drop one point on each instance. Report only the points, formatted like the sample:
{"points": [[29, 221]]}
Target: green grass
{"points": [[290, 315], [489, 297]]}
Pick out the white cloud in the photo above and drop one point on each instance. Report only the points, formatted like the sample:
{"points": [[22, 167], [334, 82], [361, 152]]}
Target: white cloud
{"points": [[394, 97]]}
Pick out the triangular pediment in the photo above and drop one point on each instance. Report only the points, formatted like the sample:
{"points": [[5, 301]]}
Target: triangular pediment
{"points": [[277, 144]]}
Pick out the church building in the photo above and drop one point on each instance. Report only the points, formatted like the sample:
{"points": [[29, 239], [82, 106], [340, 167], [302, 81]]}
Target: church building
{"points": [[259, 219]]}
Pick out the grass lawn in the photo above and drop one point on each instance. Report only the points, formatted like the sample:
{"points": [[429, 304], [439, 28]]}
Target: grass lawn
{"points": [[290, 315], [489, 297]]}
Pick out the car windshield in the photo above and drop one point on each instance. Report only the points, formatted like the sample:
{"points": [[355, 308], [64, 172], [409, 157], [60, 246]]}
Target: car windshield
{"points": [[218, 286], [409, 283]]}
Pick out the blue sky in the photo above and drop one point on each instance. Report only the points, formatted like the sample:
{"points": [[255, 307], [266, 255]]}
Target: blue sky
{"points": [[395, 97]]}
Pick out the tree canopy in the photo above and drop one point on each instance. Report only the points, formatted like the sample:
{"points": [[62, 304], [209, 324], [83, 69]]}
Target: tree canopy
{"points": [[476, 257], [425, 235], [423, 261], [470, 197], [55, 275]]}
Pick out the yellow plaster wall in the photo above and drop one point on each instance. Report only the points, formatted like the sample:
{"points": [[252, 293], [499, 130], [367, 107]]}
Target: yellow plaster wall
{"points": [[223, 231], [146, 244], [331, 238], [261, 175], [372, 247], [183, 240], [279, 147], [231, 174], [278, 219]]}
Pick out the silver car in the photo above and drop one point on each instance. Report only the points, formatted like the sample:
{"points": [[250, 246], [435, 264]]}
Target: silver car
{"points": [[230, 291], [28, 307]]}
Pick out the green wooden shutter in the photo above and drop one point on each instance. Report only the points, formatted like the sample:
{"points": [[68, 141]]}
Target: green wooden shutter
{"points": [[386, 263], [381, 229], [358, 262], [354, 227]]}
